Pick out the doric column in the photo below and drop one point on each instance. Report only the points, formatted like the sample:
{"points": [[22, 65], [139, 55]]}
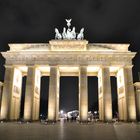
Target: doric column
{"points": [[137, 95], [131, 94], [122, 96], [126, 96], [32, 94], [53, 101], [83, 94], [1, 87], [7, 89], [36, 96], [104, 96], [15, 98]]}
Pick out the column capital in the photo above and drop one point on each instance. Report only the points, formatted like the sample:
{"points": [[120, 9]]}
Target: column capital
{"points": [[137, 84], [56, 67], [104, 66], [126, 66], [31, 66], [9, 66], [53, 65], [1, 83], [82, 66]]}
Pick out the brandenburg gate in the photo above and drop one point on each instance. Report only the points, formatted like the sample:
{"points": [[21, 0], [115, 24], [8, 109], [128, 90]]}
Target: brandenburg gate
{"points": [[65, 56]]}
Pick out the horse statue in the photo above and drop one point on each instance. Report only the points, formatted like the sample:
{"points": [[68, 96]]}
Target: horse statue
{"points": [[57, 34], [69, 34], [64, 35], [80, 36], [73, 33]]}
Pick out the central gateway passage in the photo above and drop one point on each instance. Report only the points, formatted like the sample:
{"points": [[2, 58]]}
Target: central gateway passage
{"points": [[44, 97], [69, 91], [93, 94], [114, 96]]}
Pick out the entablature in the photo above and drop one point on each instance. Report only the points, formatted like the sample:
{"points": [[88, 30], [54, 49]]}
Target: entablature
{"points": [[68, 58], [68, 45]]}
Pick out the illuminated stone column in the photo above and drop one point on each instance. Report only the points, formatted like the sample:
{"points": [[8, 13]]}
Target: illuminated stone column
{"points": [[15, 98], [1, 87], [32, 94], [57, 96], [10, 107], [36, 96], [6, 95], [83, 94], [131, 94], [104, 96], [126, 96], [137, 95], [122, 96], [53, 101]]}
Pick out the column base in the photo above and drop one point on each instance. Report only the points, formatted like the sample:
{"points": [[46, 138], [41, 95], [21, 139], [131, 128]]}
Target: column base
{"points": [[106, 121], [51, 121], [84, 122], [4, 120]]}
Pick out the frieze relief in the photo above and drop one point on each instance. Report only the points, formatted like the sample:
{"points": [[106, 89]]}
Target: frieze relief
{"points": [[37, 90], [16, 89], [66, 58], [121, 90]]}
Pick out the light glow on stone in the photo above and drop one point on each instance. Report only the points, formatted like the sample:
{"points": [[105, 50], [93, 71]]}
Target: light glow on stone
{"points": [[92, 69], [69, 69], [44, 68]]}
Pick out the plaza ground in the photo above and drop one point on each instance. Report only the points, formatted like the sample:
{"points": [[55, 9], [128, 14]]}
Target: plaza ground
{"points": [[69, 131]]}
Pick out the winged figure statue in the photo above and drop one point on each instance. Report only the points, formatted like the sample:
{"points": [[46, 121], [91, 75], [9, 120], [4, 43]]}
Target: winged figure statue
{"points": [[68, 22]]}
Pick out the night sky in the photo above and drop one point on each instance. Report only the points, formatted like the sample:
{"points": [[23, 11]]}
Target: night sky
{"points": [[111, 21]]}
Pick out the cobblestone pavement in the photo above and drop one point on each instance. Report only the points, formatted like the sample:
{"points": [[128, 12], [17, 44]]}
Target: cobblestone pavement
{"points": [[69, 131]]}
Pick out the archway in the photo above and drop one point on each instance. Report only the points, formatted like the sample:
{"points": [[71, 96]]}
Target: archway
{"points": [[44, 91], [113, 80], [69, 91], [23, 96], [93, 96]]}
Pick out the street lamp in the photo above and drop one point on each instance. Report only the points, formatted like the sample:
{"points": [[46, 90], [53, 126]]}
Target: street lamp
{"points": [[95, 114], [61, 112]]}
